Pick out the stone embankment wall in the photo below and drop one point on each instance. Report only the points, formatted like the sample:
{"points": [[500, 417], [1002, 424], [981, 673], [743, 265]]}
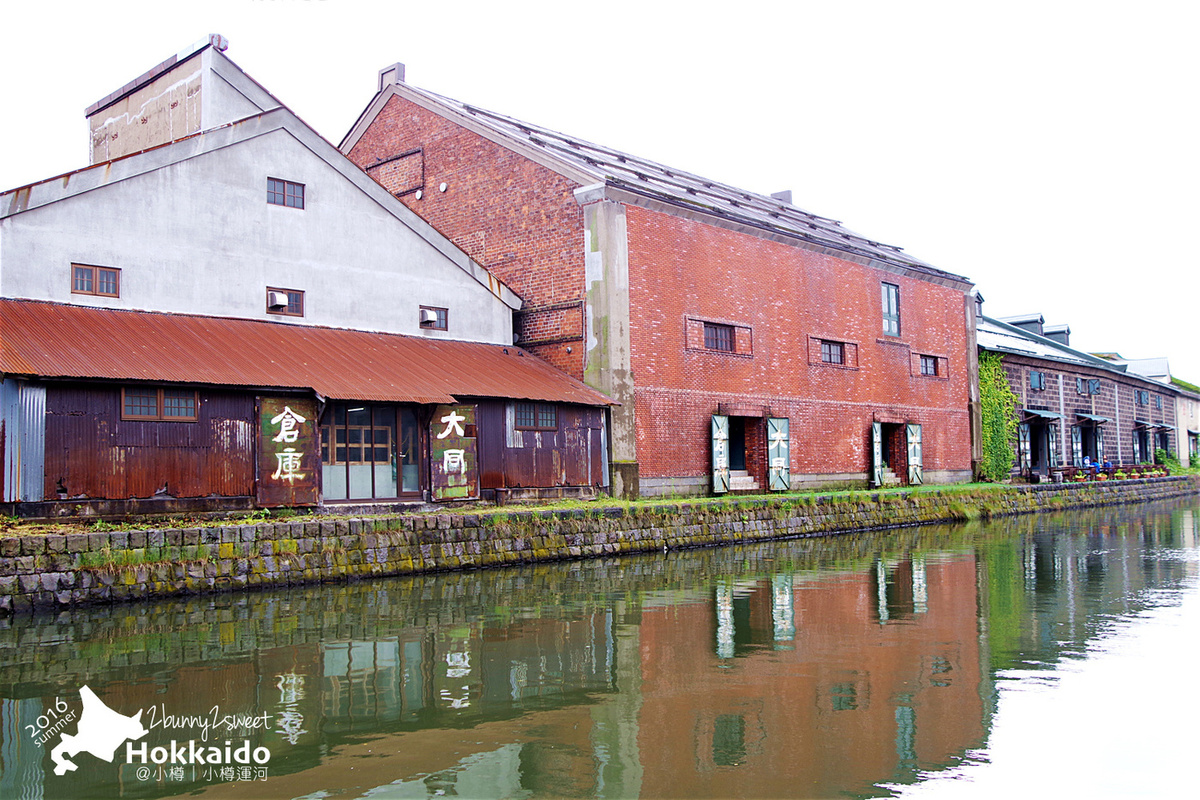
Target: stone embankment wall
{"points": [[49, 571]]}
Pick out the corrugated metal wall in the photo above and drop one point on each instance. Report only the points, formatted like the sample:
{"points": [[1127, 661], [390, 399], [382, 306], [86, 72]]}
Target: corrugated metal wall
{"points": [[92, 452], [574, 455], [22, 422]]}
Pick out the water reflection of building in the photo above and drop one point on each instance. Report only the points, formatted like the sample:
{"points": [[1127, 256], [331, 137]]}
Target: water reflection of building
{"points": [[1046, 595], [812, 684], [469, 671], [637, 677], [550, 707]]}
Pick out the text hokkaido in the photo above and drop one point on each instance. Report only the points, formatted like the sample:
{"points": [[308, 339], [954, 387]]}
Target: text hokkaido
{"points": [[190, 752]]}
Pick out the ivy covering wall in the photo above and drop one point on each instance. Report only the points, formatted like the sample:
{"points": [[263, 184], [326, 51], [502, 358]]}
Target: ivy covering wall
{"points": [[998, 408]]}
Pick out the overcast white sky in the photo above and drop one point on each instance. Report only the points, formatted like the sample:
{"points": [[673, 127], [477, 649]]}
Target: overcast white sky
{"points": [[1046, 150]]}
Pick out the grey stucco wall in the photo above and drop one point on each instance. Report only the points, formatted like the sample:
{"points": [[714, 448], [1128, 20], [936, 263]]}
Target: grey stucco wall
{"points": [[197, 236]]}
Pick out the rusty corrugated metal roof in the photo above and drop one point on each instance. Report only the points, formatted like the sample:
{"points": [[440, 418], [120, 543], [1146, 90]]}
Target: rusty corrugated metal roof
{"points": [[55, 340]]}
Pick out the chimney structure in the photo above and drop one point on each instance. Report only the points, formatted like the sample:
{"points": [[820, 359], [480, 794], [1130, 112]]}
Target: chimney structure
{"points": [[1027, 322], [1059, 333], [391, 74]]}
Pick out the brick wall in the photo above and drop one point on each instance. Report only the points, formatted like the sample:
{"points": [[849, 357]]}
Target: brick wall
{"points": [[787, 299], [513, 216], [522, 222], [1116, 401]]}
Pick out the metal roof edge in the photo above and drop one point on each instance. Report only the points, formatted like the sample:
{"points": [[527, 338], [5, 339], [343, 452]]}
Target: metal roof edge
{"points": [[403, 214], [431, 102], [130, 165], [364, 119], [1088, 359], [624, 194], [152, 74], [281, 117], [352, 171]]}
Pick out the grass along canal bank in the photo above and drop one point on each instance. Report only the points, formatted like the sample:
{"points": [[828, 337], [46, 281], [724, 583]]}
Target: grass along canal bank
{"points": [[52, 568]]}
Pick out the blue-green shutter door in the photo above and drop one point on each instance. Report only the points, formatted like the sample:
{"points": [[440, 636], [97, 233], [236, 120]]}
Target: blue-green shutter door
{"points": [[1052, 445], [1023, 452], [778, 455], [876, 454], [916, 468], [720, 453]]}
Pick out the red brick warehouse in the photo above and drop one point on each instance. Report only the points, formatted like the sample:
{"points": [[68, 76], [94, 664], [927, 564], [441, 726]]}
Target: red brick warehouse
{"points": [[752, 345]]}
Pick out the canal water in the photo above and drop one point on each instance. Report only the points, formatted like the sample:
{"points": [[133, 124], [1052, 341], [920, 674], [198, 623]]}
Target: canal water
{"points": [[1046, 656]]}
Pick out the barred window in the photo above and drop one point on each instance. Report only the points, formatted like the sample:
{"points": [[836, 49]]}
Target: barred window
{"points": [[535, 417], [833, 352], [718, 337]]}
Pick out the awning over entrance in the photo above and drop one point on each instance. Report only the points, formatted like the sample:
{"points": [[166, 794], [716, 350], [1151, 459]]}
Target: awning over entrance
{"points": [[1041, 413], [54, 340], [1092, 418]]}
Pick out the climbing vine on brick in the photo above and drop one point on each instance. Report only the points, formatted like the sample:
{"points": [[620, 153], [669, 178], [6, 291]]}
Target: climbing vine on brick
{"points": [[998, 407]]}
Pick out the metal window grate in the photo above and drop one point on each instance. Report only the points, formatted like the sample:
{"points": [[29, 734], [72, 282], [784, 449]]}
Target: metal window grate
{"points": [[833, 352], [718, 337]]}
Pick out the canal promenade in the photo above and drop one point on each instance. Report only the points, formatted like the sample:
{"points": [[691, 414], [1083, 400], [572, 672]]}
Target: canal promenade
{"points": [[46, 571]]}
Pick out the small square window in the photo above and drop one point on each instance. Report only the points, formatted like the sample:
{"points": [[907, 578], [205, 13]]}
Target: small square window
{"points": [[139, 403], [526, 416], [285, 193], [434, 318], [929, 365], [718, 337], [154, 404], [178, 404], [535, 417], [103, 281], [833, 352], [288, 302]]}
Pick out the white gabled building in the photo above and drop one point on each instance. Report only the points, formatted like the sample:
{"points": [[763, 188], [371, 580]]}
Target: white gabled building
{"points": [[189, 226], [220, 262]]}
